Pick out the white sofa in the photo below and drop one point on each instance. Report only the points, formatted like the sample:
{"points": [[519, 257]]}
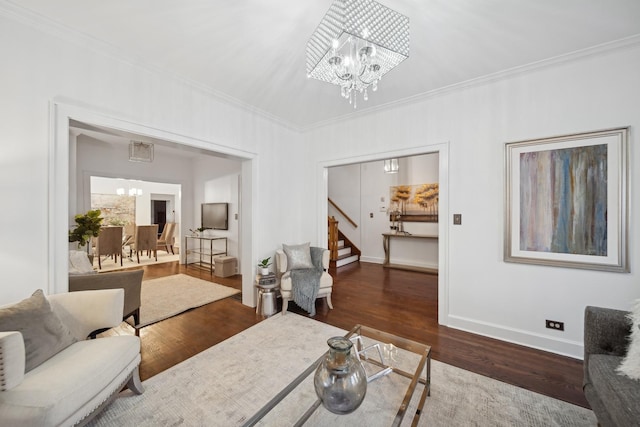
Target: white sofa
{"points": [[73, 385], [282, 271]]}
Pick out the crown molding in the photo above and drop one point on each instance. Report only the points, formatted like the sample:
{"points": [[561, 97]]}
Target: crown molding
{"points": [[46, 25], [42, 23], [603, 48]]}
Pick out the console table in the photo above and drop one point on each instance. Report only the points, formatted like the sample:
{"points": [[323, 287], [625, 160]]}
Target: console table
{"points": [[386, 243], [205, 250]]}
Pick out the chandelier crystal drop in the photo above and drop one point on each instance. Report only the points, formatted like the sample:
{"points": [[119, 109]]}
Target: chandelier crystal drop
{"points": [[356, 43]]}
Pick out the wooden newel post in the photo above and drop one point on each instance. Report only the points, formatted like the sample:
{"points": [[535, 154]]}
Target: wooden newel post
{"points": [[333, 238]]}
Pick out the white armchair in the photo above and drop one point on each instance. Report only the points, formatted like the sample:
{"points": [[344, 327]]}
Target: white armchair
{"points": [[326, 281]]}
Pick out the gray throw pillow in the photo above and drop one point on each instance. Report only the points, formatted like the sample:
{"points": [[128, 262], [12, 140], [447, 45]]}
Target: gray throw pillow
{"points": [[298, 256], [43, 333]]}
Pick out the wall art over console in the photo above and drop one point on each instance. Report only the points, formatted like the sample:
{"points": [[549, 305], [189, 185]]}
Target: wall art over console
{"points": [[414, 203], [566, 201]]}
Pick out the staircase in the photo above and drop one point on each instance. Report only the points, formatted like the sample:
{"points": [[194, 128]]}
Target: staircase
{"points": [[346, 255], [342, 251]]}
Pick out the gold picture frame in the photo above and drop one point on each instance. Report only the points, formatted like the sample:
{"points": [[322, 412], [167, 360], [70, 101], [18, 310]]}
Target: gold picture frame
{"points": [[414, 203]]}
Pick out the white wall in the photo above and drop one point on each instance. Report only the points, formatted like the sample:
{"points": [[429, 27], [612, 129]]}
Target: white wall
{"points": [[413, 170], [218, 181], [43, 64], [344, 188], [486, 295]]}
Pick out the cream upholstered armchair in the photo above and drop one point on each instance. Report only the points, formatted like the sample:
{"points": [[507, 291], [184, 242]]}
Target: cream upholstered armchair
{"points": [[284, 273]]}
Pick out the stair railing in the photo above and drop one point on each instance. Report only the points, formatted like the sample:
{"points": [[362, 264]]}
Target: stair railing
{"points": [[332, 203]]}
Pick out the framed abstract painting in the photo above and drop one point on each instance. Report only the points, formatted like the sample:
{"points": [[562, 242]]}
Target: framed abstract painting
{"points": [[566, 201]]}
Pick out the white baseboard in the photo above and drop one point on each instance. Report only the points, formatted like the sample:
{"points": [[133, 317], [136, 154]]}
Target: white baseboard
{"points": [[375, 260], [559, 346], [416, 264]]}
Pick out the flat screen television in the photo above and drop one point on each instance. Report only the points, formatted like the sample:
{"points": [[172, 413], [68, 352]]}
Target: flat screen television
{"points": [[215, 216]]}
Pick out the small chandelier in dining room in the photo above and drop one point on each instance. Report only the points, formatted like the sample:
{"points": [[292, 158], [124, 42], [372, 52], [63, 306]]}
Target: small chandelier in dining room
{"points": [[356, 43], [132, 191]]}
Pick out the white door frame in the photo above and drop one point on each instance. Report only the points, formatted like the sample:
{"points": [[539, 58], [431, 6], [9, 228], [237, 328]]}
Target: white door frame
{"points": [[59, 216], [443, 207]]}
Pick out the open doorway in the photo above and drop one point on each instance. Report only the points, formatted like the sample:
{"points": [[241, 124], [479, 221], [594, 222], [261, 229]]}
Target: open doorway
{"points": [[159, 214], [171, 188], [164, 210], [364, 199], [70, 190], [442, 151], [129, 202]]}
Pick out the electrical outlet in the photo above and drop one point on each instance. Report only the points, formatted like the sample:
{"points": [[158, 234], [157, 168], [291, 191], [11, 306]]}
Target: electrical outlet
{"points": [[553, 324]]}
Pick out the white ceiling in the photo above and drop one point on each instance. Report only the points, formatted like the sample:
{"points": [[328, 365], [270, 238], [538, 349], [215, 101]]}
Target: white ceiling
{"points": [[253, 51]]}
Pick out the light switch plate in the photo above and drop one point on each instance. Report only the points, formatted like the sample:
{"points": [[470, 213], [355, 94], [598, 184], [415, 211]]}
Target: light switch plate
{"points": [[457, 219]]}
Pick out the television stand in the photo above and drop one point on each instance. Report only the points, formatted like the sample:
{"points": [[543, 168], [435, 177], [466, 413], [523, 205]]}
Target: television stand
{"points": [[205, 249]]}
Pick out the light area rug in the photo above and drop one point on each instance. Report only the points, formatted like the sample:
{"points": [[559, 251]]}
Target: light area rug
{"points": [[108, 264], [171, 295], [226, 384]]}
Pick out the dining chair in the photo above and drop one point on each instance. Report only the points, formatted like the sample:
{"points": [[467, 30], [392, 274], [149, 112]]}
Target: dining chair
{"points": [[145, 239], [129, 233], [109, 242], [166, 238]]}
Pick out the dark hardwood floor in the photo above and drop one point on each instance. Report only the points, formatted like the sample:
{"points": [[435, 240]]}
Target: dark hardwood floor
{"points": [[397, 301]]}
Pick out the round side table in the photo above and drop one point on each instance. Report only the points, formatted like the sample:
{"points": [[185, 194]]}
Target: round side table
{"points": [[267, 296]]}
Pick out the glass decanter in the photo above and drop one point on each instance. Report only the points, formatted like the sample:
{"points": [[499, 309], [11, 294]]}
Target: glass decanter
{"points": [[340, 379]]}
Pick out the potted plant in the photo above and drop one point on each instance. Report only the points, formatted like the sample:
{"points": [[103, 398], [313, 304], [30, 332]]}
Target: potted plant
{"points": [[197, 231], [87, 226], [264, 266]]}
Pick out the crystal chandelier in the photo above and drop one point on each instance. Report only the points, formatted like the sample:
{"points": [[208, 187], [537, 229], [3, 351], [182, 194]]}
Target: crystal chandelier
{"points": [[356, 43]]}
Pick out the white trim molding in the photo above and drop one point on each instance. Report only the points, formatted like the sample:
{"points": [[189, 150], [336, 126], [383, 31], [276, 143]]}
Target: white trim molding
{"points": [[573, 349], [61, 112]]}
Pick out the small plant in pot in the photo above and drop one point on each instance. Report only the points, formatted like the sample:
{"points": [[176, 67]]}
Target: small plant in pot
{"points": [[87, 226], [197, 231], [264, 266]]}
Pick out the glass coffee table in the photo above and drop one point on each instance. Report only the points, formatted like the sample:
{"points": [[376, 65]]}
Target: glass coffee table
{"points": [[399, 381]]}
